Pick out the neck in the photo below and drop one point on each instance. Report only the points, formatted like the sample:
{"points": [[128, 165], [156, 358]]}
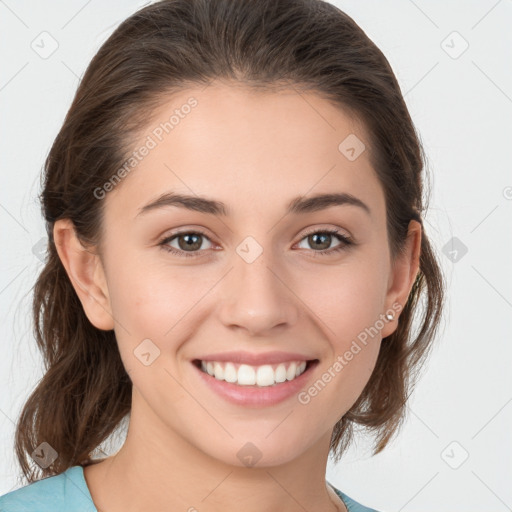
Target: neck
{"points": [[157, 469]]}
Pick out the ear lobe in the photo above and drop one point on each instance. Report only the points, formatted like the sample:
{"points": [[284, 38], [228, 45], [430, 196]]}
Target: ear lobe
{"points": [[402, 277], [85, 271]]}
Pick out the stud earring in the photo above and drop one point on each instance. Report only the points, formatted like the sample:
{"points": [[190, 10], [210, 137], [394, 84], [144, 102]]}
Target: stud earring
{"points": [[390, 316]]}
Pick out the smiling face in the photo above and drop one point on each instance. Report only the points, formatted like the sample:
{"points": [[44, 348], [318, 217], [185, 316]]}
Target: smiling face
{"points": [[248, 276]]}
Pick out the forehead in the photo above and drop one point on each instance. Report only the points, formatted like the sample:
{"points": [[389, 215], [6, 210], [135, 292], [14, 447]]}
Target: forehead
{"points": [[248, 148]]}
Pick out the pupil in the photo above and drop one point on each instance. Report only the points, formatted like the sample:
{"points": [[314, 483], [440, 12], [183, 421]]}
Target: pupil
{"points": [[190, 244], [322, 236]]}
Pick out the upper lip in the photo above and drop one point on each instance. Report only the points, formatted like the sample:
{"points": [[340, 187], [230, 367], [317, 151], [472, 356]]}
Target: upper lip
{"points": [[241, 357]]}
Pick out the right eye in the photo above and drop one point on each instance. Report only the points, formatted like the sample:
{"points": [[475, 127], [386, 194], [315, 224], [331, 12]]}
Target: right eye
{"points": [[191, 240]]}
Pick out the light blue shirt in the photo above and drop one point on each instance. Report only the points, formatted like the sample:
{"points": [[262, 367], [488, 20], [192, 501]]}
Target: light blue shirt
{"points": [[68, 492]]}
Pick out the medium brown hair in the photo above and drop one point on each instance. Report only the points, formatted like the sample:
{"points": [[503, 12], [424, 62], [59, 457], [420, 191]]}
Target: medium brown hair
{"points": [[310, 45]]}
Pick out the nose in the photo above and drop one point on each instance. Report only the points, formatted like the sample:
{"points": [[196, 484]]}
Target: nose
{"points": [[257, 296]]}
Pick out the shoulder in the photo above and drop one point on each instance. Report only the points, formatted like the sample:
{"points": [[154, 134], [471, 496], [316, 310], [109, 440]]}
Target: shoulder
{"points": [[351, 504], [65, 492]]}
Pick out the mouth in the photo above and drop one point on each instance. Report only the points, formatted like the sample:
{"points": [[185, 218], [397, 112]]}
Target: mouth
{"points": [[251, 376]]}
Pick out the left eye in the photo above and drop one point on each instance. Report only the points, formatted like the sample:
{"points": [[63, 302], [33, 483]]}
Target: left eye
{"points": [[325, 237]]}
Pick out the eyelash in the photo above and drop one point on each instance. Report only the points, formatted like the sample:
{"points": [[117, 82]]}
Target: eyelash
{"points": [[345, 242]]}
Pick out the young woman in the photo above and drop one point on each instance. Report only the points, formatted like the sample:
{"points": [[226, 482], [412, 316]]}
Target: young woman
{"points": [[236, 257]]}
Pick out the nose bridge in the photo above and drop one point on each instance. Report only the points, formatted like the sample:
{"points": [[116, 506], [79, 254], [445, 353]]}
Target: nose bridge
{"points": [[257, 298]]}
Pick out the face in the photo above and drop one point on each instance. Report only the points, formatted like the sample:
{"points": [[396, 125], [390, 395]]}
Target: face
{"points": [[257, 277]]}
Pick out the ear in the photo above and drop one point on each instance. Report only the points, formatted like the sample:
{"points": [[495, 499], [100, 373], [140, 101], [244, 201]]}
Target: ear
{"points": [[403, 275], [85, 271]]}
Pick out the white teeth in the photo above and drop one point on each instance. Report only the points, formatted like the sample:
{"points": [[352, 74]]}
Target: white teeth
{"points": [[218, 370], [280, 375], [247, 375], [230, 373], [265, 375], [292, 369]]}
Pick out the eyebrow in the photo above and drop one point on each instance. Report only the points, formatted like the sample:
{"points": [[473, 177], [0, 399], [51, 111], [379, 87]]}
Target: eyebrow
{"points": [[298, 205]]}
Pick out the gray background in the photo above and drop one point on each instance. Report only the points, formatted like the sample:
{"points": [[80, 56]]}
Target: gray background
{"points": [[455, 450]]}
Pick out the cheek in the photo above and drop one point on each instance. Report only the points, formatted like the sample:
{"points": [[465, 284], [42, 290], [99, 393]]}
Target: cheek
{"points": [[156, 303], [347, 302], [152, 323], [143, 289], [345, 299]]}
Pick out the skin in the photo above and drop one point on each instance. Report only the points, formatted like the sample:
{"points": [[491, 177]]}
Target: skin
{"points": [[254, 152]]}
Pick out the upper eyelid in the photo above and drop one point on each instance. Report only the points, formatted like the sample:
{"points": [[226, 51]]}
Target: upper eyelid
{"points": [[339, 231]]}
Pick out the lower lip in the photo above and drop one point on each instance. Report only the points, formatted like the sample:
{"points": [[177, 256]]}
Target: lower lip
{"points": [[254, 395]]}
